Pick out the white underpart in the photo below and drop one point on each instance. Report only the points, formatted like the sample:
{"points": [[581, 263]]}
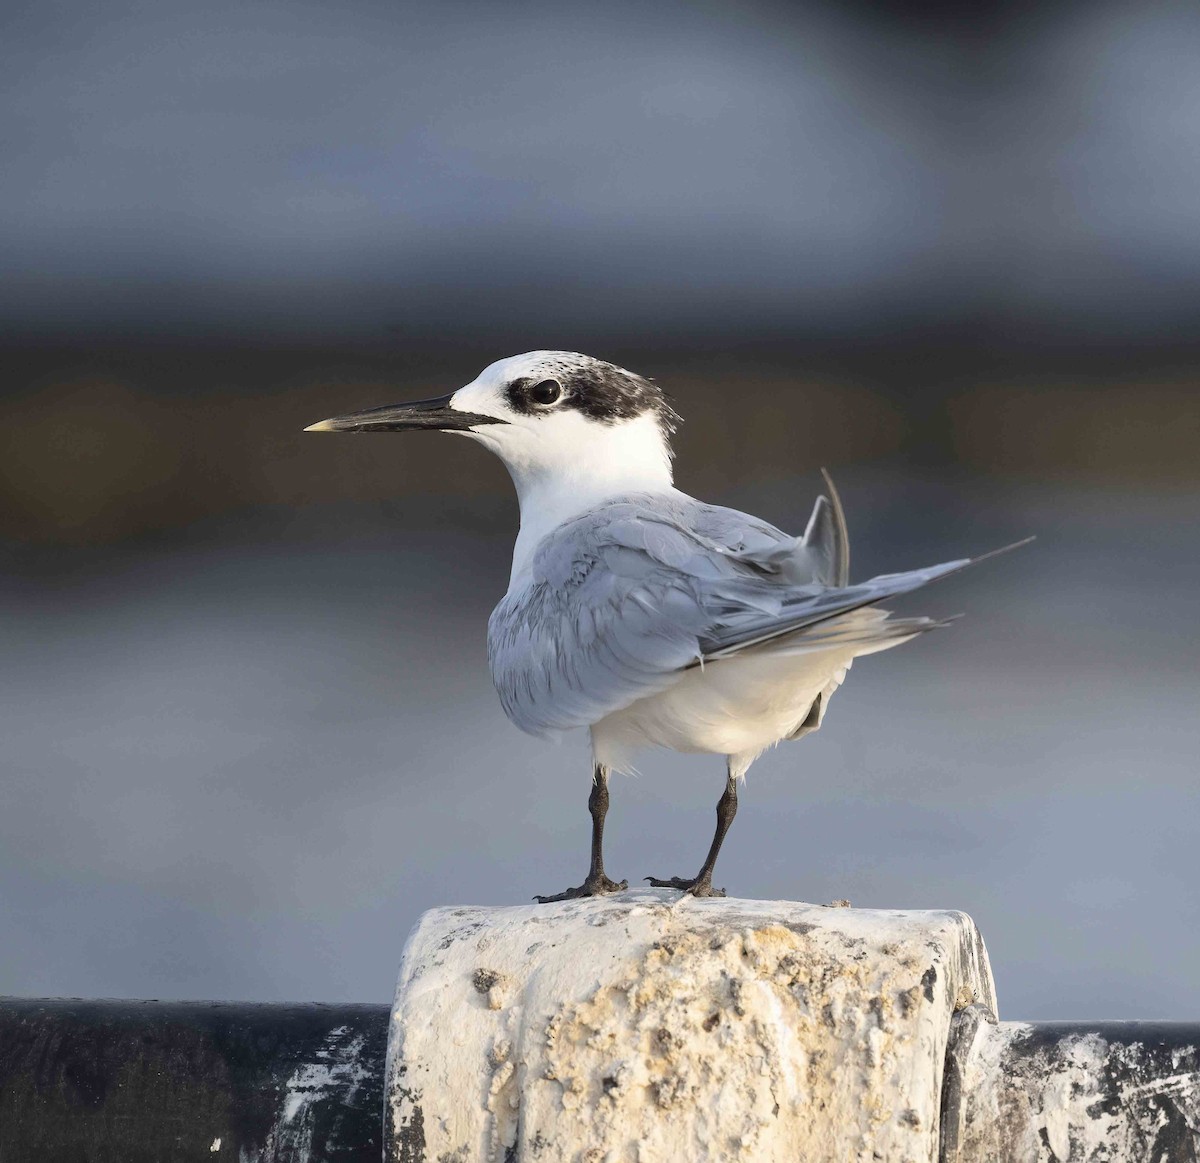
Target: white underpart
{"points": [[563, 464], [736, 707]]}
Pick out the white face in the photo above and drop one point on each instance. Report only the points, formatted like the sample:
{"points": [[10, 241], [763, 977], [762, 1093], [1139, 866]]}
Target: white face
{"points": [[552, 435]]}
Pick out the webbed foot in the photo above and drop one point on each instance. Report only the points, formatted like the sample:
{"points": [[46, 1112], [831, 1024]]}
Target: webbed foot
{"points": [[593, 886], [696, 885]]}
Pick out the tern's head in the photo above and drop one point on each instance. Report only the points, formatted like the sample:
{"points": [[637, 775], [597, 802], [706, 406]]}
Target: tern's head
{"points": [[555, 418]]}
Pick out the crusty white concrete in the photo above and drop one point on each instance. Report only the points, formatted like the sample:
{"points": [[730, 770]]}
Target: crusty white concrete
{"points": [[650, 1026]]}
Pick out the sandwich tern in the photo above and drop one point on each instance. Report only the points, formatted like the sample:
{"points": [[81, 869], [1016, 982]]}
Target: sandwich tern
{"points": [[639, 612]]}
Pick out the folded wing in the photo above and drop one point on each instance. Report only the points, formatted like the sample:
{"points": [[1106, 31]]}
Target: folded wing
{"points": [[624, 599]]}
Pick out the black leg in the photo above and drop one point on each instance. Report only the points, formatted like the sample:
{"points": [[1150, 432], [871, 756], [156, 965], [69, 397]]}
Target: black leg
{"points": [[596, 884], [598, 809], [701, 884]]}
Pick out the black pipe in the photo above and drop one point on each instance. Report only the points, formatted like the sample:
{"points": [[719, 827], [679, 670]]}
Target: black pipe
{"points": [[160, 1082], [177, 1082], [1022, 1092]]}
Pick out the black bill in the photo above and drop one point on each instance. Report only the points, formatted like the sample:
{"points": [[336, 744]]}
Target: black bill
{"points": [[406, 417]]}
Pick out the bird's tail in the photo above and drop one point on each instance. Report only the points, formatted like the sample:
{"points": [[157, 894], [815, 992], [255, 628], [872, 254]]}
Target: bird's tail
{"points": [[863, 631], [811, 610]]}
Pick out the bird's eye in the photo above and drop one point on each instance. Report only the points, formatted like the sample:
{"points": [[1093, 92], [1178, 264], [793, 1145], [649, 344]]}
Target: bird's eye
{"points": [[546, 392]]}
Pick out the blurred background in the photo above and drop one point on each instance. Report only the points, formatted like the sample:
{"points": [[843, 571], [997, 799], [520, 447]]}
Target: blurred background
{"points": [[952, 252]]}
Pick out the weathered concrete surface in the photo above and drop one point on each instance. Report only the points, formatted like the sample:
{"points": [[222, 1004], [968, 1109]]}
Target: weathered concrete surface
{"points": [[148, 1082], [1072, 1092], [652, 1026]]}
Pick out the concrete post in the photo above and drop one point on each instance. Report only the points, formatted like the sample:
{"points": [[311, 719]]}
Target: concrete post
{"points": [[653, 1027]]}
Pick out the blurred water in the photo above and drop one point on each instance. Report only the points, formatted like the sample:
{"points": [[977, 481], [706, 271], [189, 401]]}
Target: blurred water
{"points": [[243, 751], [239, 765]]}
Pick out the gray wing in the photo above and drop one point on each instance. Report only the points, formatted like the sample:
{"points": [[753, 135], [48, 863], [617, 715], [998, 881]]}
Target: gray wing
{"points": [[619, 600], [625, 597]]}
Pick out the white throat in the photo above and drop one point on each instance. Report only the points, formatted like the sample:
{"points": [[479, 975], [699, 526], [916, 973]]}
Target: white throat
{"points": [[584, 465]]}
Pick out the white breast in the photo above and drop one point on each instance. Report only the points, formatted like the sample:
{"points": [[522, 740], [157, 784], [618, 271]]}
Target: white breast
{"points": [[738, 707]]}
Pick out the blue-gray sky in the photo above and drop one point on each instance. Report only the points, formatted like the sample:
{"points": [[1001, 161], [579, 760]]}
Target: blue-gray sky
{"points": [[284, 166]]}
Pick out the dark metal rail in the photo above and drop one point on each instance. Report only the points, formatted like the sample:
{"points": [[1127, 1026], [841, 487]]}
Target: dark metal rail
{"points": [[173, 1082], [1051, 1092]]}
